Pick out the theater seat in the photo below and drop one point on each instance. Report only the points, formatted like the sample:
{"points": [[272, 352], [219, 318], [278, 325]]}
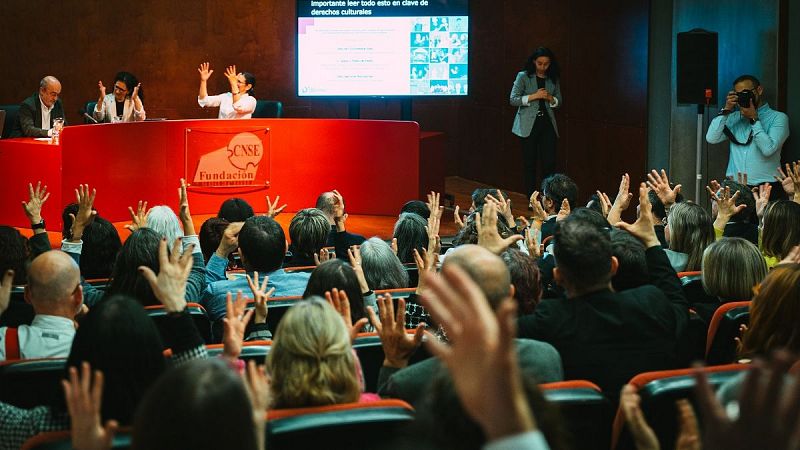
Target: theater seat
{"points": [[27, 383], [587, 413], [252, 350], [722, 331], [12, 111], [19, 312], [659, 390], [62, 440], [266, 109], [89, 108], [196, 311], [347, 426]]}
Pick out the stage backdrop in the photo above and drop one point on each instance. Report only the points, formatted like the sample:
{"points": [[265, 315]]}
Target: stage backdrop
{"points": [[602, 47]]}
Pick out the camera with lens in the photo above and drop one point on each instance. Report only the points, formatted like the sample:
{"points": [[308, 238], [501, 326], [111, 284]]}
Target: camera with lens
{"points": [[745, 97]]}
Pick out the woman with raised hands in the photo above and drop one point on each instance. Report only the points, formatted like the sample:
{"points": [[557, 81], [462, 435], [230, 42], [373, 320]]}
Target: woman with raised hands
{"points": [[239, 103], [124, 104]]}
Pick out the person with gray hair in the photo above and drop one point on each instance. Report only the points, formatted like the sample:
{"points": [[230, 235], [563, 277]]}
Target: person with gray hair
{"points": [[382, 268], [54, 290], [163, 221], [308, 233], [37, 112]]}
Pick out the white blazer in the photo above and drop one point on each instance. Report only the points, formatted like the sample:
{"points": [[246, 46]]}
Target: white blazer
{"points": [[129, 113]]}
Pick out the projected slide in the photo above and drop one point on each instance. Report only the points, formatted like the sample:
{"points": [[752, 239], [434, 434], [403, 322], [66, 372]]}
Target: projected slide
{"points": [[382, 48]]}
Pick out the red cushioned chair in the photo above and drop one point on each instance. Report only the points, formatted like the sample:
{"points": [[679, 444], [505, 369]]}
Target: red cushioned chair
{"points": [[196, 311], [722, 331], [692, 273], [62, 440], [345, 426], [587, 412], [659, 390], [26, 383]]}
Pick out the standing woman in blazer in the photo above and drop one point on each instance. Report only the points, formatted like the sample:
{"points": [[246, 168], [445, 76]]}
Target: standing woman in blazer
{"points": [[536, 93], [124, 104]]}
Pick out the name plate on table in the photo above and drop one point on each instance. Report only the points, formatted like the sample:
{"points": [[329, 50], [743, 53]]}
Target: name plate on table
{"points": [[227, 157]]}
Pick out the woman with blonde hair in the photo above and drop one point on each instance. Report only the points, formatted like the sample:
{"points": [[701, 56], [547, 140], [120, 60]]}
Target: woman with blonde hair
{"points": [[312, 362], [731, 267], [690, 230]]}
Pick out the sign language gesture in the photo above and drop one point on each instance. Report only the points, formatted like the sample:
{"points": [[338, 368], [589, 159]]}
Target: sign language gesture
{"points": [[84, 395], [536, 206], [85, 213], [169, 286], [643, 229], [102, 89], [272, 207], [338, 299], [36, 199], [234, 325], [139, 217], [488, 236], [398, 346], [230, 74], [185, 215], [205, 72], [260, 296], [726, 206], [659, 183]]}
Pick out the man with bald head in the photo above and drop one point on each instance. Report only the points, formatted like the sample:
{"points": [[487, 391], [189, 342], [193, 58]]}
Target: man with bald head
{"points": [[537, 359], [36, 113], [54, 290]]}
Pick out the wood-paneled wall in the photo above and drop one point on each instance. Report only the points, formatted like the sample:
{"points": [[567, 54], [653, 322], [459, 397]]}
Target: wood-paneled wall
{"points": [[602, 47]]}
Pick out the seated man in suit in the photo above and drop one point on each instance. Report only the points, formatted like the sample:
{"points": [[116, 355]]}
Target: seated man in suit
{"points": [[604, 336], [36, 113], [54, 290], [332, 205], [262, 246], [537, 359]]}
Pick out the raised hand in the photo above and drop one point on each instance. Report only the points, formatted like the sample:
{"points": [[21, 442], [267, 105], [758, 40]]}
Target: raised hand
{"points": [[102, 89], [272, 207], [531, 243], [231, 73], [84, 395], [643, 228], [205, 72], [138, 217], [769, 409], [785, 180], [605, 203], [564, 212], [398, 346], [481, 357], [622, 200], [761, 195], [726, 206], [538, 211], [135, 93], [488, 236], [185, 215], [354, 255], [659, 183], [85, 213], [6, 283], [258, 390], [459, 221], [503, 207], [234, 325], [338, 299], [434, 205], [643, 435], [230, 239], [36, 199], [322, 256], [260, 296], [426, 262], [793, 173], [169, 286]]}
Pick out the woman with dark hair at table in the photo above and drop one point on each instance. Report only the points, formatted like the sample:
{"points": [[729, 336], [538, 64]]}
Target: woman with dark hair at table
{"points": [[124, 104], [536, 93], [239, 103]]}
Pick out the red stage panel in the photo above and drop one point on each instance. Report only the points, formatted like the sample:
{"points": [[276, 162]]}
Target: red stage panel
{"points": [[374, 164], [24, 161]]}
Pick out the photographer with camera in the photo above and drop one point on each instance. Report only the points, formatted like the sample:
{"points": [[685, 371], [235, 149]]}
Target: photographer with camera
{"points": [[756, 133]]}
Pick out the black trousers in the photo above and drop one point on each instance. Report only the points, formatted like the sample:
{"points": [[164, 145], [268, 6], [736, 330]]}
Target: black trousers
{"points": [[539, 146]]}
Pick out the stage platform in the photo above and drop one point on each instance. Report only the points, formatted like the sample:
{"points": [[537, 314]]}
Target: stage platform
{"points": [[376, 165]]}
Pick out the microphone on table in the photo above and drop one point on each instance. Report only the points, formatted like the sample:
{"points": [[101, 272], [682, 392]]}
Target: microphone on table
{"points": [[87, 116]]}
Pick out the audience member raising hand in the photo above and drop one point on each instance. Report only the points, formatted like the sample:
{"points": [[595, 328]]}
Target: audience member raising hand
{"points": [[488, 236], [169, 286], [85, 213], [643, 228], [659, 183], [398, 346], [338, 299], [84, 394], [726, 206], [138, 217], [622, 200], [272, 207], [480, 355], [33, 207]]}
